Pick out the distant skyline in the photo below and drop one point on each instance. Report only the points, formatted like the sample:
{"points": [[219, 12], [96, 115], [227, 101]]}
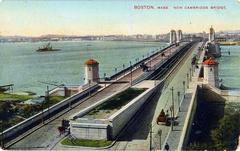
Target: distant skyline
{"points": [[95, 17]]}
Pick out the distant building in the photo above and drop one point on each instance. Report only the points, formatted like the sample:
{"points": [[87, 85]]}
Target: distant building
{"points": [[220, 39]]}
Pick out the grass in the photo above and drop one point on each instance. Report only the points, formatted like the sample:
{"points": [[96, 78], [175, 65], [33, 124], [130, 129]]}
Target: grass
{"points": [[116, 102], [11, 110], [86, 143], [14, 97]]}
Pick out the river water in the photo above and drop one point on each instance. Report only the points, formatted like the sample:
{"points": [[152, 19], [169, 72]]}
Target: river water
{"points": [[229, 66], [22, 66]]}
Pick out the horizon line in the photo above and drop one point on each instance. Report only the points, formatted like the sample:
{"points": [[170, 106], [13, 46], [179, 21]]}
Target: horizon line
{"points": [[115, 34]]}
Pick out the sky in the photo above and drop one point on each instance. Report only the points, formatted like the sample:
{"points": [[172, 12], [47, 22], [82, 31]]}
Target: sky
{"points": [[104, 17]]}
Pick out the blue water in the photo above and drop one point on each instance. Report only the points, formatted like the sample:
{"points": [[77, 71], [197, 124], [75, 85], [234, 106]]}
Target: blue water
{"points": [[229, 66], [21, 65]]}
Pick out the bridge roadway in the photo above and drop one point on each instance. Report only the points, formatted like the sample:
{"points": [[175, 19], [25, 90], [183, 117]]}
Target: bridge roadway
{"points": [[136, 137], [46, 135]]}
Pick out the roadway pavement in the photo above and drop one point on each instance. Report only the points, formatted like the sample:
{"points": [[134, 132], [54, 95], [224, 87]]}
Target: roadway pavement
{"points": [[47, 136], [137, 136]]}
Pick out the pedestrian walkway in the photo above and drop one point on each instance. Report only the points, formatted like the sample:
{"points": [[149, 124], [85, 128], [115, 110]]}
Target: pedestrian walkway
{"points": [[177, 135]]}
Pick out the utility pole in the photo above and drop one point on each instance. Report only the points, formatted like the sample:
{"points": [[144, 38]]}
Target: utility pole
{"points": [[187, 80], [178, 93]]}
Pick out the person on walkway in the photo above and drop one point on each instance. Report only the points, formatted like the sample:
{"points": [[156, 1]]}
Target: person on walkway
{"points": [[166, 147]]}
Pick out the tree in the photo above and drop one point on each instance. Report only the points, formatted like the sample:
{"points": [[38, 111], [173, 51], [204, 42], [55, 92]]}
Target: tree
{"points": [[4, 110], [225, 136]]}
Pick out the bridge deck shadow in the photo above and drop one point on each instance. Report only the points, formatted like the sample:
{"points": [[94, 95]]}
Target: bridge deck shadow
{"points": [[139, 126]]}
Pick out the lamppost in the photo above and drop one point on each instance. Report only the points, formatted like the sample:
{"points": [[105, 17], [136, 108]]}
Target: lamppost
{"points": [[116, 72], [187, 80], [104, 75], [184, 89], [150, 148], [190, 70], [89, 84], [178, 93], [47, 98], [155, 80], [160, 142], [171, 110], [130, 73], [2, 137], [173, 101], [149, 60]]}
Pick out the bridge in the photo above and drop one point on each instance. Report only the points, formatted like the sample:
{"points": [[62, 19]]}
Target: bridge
{"points": [[171, 67]]}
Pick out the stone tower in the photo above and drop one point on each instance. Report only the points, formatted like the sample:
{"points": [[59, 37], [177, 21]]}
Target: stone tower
{"points": [[211, 35], [91, 71], [179, 36], [210, 69], [173, 37]]}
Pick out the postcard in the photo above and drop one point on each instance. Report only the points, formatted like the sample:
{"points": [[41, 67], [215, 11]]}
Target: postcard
{"points": [[132, 75]]}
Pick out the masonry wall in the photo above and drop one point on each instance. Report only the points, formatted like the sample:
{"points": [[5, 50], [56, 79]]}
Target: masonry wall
{"points": [[98, 129], [91, 131], [122, 117]]}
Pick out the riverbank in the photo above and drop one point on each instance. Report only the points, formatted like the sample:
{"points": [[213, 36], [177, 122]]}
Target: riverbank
{"points": [[230, 43], [14, 109]]}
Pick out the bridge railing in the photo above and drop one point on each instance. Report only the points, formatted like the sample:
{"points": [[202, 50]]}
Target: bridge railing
{"points": [[118, 74], [15, 131]]}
